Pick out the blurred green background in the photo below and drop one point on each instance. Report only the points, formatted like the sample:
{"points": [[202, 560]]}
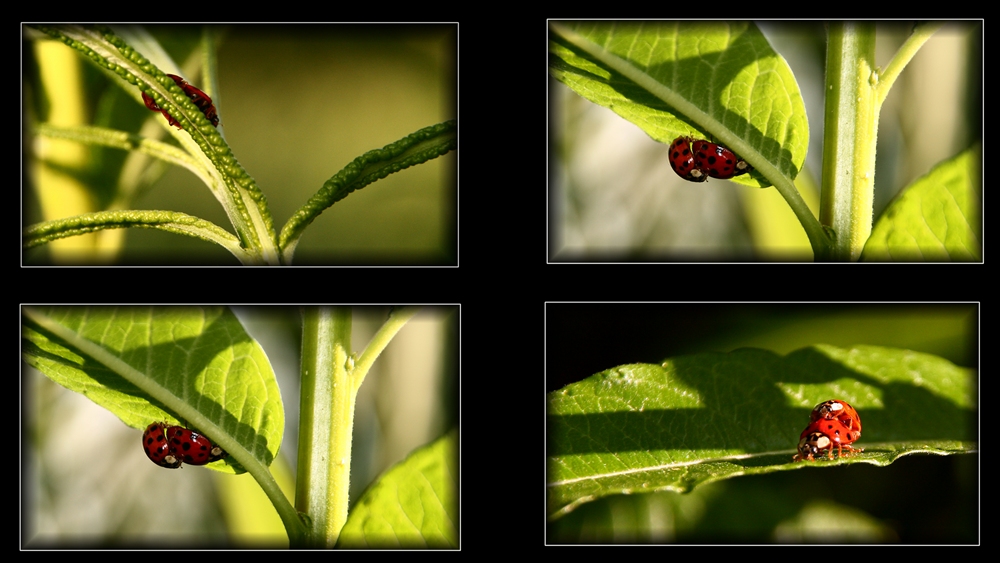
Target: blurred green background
{"points": [[918, 499]]}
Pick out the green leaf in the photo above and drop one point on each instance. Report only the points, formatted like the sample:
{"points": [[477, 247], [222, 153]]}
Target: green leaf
{"points": [[701, 418], [720, 81], [416, 148], [169, 221], [414, 504], [193, 366], [936, 218]]}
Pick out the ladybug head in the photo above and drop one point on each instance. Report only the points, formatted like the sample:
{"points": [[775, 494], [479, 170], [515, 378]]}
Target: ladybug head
{"points": [[811, 444]]}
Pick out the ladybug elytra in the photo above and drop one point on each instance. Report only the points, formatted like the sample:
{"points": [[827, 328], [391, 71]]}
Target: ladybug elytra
{"points": [[154, 443], [682, 160], [840, 410], [193, 448], [717, 161]]}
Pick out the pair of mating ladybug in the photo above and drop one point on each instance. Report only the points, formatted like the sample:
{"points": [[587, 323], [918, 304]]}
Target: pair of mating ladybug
{"points": [[168, 446], [198, 98], [697, 160], [833, 424]]}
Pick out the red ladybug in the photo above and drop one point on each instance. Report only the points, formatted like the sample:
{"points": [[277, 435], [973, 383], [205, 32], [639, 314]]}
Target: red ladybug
{"points": [[834, 424], [192, 448], [840, 410], [682, 160], [154, 443], [695, 161], [169, 446], [198, 98], [717, 161], [825, 435]]}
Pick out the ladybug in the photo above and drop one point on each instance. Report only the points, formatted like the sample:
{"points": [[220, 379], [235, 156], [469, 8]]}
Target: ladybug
{"points": [[198, 98], [695, 161], [169, 446], [154, 443], [832, 424], [682, 160], [717, 161], [192, 448], [825, 435], [840, 410]]}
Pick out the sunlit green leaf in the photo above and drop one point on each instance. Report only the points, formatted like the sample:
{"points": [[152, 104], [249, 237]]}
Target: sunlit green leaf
{"points": [[936, 218], [414, 504]]}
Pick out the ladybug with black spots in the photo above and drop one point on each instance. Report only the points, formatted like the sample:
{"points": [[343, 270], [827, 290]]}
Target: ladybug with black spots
{"points": [[193, 448], [695, 160], [154, 443], [834, 409], [717, 161], [834, 424], [682, 160], [169, 446]]}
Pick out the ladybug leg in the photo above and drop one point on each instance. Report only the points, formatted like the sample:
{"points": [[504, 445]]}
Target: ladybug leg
{"points": [[851, 450]]}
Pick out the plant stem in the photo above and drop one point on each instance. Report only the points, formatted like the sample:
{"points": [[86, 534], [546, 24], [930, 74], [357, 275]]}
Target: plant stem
{"points": [[326, 423], [850, 137]]}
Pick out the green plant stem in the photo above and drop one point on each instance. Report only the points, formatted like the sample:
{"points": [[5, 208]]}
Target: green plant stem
{"points": [[330, 381], [906, 52], [397, 319], [851, 132], [326, 423]]}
